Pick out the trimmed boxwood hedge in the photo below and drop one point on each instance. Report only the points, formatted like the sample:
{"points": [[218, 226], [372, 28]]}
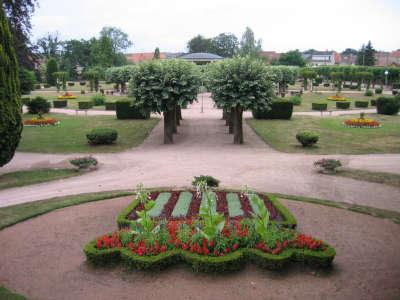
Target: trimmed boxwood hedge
{"points": [[388, 105], [208, 264], [60, 103], [280, 109], [126, 110], [110, 106], [373, 102], [85, 104], [319, 106], [343, 104], [361, 103]]}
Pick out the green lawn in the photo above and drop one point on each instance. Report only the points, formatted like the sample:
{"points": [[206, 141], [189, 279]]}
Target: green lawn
{"points": [[70, 136], [309, 98], [6, 294], [364, 175], [21, 178], [334, 137]]}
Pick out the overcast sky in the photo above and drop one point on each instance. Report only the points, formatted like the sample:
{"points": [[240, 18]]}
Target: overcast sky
{"points": [[281, 24]]}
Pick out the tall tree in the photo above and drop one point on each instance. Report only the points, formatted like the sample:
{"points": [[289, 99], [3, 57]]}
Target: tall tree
{"points": [[225, 44], [119, 39], [49, 45], [291, 58], [199, 44], [349, 51], [249, 46], [156, 53], [19, 14], [51, 68], [10, 105], [366, 55], [75, 53]]}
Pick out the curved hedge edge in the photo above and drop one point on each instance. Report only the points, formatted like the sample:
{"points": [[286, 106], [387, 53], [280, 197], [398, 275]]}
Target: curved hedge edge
{"points": [[288, 219], [122, 219], [209, 264]]}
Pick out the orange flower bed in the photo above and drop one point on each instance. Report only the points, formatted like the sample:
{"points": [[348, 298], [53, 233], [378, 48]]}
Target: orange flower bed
{"points": [[66, 96], [336, 98], [362, 123], [41, 122]]}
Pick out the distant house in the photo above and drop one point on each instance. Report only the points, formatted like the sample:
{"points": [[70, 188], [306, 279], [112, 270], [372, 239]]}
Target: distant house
{"points": [[143, 56], [320, 58], [348, 59], [201, 58], [271, 55], [387, 58]]}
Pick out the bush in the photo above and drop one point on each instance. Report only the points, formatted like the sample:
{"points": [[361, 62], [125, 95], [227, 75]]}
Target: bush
{"points": [[85, 104], [110, 105], [82, 83], [395, 92], [125, 109], [27, 81], [38, 86], [388, 105], [102, 136], [353, 87], [326, 84], [343, 104], [396, 86], [46, 85], [280, 109], [361, 103], [83, 92], [211, 181], [373, 102], [368, 93], [60, 103], [296, 100], [25, 100], [378, 90], [38, 105], [98, 99], [319, 106], [84, 162], [307, 138], [328, 165], [71, 83]]}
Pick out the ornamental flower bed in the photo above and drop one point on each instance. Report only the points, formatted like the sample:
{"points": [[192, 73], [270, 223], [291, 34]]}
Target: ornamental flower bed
{"points": [[161, 228], [38, 121], [362, 122], [338, 98], [66, 95]]}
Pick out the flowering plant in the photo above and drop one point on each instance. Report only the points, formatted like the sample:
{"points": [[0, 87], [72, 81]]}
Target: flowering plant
{"points": [[327, 164], [41, 121], [338, 98], [66, 95]]}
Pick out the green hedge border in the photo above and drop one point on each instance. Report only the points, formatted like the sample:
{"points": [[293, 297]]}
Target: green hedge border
{"points": [[289, 220], [208, 264]]}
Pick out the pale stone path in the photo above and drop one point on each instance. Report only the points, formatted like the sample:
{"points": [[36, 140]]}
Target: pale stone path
{"points": [[203, 146]]}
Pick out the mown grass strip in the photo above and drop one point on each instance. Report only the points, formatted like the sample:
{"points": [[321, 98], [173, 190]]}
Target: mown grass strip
{"points": [[234, 206], [182, 206], [161, 200]]}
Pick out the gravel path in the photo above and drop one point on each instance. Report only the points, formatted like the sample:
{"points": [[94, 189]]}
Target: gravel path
{"points": [[203, 146], [42, 258]]}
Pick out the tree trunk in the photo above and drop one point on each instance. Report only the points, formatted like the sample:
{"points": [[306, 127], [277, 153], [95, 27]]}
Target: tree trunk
{"points": [[177, 116], [169, 126], [179, 113], [224, 114], [237, 125], [174, 127], [230, 121]]}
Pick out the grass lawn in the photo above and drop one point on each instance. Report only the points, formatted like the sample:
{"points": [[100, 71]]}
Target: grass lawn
{"points": [[334, 137], [70, 135], [8, 295], [309, 98], [21, 178], [364, 175]]}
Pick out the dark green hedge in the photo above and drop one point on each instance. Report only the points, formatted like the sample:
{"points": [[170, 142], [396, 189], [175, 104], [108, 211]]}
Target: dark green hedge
{"points": [[126, 110], [343, 104], [319, 106], [280, 109], [373, 102], [208, 264], [85, 104], [110, 106], [60, 103], [361, 103], [388, 105]]}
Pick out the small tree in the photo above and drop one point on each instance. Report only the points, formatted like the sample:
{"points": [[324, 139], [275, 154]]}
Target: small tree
{"points": [[284, 75], [307, 74], [61, 80], [51, 68], [93, 76], [337, 79], [120, 75], [162, 86], [239, 84], [156, 53], [27, 81]]}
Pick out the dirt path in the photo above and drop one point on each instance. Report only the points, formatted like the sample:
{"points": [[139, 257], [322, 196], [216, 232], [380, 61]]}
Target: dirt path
{"points": [[42, 258], [203, 146]]}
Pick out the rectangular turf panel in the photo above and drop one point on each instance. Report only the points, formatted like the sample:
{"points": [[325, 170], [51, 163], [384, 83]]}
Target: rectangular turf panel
{"points": [[183, 204], [161, 200], [234, 206], [204, 201]]}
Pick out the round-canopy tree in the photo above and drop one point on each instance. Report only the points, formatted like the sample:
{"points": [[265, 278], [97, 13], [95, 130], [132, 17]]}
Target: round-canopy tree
{"points": [[239, 84], [162, 86], [284, 75], [308, 74], [120, 75], [10, 105], [51, 68]]}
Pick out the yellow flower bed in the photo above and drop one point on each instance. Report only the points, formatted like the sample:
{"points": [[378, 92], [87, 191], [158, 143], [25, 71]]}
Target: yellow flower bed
{"points": [[336, 98], [66, 97]]}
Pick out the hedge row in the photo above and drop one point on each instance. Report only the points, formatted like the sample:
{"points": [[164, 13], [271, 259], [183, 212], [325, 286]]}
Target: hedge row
{"points": [[200, 263], [280, 109], [126, 110]]}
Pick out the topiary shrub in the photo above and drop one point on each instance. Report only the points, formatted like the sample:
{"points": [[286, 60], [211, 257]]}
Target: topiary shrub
{"points": [[343, 104], [361, 103], [38, 105], [71, 83], [328, 165], [211, 181], [38, 86], [388, 105], [60, 103], [368, 93], [82, 83], [279, 109], [378, 90], [102, 136], [110, 105], [307, 138], [83, 92], [85, 104], [84, 163], [98, 99], [319, 106], [126, 109], [373, 102], [296, 100]]}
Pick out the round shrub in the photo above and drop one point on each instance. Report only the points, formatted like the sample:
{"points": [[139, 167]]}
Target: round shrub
{"points": [[71, 83], [361, 103], [46, 85], [328, 165], [319, 106], [296, 100], [279, 109], [395, 92], [85, 104], [368, 93], [84, 163], [307, 138], [378, 90], [373, 102], [102, 136], [38, 105], [82, 83], [211, 181], [38, 86], [83, 92], [388, 105], [343, 104], [98, 99], [60, 103]]}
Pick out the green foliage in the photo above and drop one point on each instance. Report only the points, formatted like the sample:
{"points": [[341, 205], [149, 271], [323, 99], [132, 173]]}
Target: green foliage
{"points": [[120, 75], [369, 93], [209, 180], [249, 46], [98, 99], [319, 106], [156, 53], [224, 44], [296, 100], [343, 104], [84, 162], [307, 74], [61, 80], [93, 75], [27, 80], [283, 76], [60, 103], [279, 109], [102, 136], [366, 55], [361, 103], [110, 105], [38, 105], [388, 105], [10, 105], [127, 109], [260, 217], [307, 138], [25, 100], [51, 68], [291, 58], [85, 104], [199, 44], [328, 164]]}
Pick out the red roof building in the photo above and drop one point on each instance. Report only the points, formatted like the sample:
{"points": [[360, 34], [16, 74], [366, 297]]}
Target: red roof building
{"points": [[143, 56]]}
